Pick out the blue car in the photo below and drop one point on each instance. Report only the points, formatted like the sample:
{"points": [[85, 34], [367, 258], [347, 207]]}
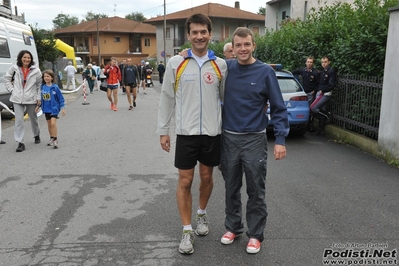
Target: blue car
{"points": [[295, 100]]}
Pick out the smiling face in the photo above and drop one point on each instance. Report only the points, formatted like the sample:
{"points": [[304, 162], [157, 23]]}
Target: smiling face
{"points": [[243, 49], [26, 59], [199, 37], [47, 78]]}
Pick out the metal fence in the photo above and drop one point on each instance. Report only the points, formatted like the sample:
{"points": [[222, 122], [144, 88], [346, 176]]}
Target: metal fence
{"points": [[356, 104]]}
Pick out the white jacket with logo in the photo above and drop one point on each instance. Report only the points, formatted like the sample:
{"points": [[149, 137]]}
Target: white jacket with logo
{"points": [[197, 99], [29, 94]]}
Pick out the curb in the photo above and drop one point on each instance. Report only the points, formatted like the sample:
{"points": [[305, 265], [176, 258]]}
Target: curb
{"points": [[354, 139]]}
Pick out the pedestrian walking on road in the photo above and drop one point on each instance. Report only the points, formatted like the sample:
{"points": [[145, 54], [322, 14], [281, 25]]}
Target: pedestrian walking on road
{"points": [[129, 77], [52, 104], [250, 85], [91, 77], [141, 69], [161, 71], [114, 76], [121, 68], [70, 71], [23, 80], [97, 70], [198, 122]]}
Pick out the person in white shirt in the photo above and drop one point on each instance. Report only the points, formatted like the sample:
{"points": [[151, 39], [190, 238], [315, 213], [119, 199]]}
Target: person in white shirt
{"points": [[97, 70], [70, 70]]}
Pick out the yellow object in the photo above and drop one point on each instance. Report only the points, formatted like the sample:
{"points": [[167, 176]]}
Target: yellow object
{"points": [[68, 50]]}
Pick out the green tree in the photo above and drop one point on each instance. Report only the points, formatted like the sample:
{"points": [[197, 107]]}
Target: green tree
{"points": [[136, 16], [92, 16], [45, 46], [262, 11], [63, 21], [355, 42]]}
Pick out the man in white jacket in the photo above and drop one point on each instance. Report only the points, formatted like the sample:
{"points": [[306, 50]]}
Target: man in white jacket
{"points": [[70, 71], [193, 87]]}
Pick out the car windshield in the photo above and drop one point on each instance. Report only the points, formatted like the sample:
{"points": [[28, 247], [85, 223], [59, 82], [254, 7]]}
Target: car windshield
{"points": [[288, 85]]}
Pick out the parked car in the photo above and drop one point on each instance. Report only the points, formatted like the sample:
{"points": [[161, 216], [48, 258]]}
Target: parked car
{"points": [[295, 100]]}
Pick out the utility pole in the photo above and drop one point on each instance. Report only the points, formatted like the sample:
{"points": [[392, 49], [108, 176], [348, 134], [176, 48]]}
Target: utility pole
{"points": [[98, 45], [164, 30]]}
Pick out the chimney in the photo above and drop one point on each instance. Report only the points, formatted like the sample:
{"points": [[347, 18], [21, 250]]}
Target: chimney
{"points": [[237, 4]]}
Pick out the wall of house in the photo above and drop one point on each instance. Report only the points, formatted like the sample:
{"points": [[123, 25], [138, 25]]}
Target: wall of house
{"points": [[152, 49], [274, 14], [294, 9], [298, 7], [110, 48], [108, 45], [388, 137], [222, 29]]}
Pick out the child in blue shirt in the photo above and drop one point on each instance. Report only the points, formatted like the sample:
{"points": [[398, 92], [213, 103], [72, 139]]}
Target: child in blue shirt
{"points": [[52, 103]]}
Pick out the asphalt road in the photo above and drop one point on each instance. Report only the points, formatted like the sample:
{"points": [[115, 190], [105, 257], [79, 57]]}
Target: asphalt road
{"points": [[107, 197]]}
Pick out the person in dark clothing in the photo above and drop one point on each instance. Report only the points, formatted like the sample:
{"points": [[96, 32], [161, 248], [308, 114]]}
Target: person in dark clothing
{"points": [[319, 107], [121, 66], [129, 77], [161, 71], [310, 78], [310, 83], [141, 69], [250, 85]]}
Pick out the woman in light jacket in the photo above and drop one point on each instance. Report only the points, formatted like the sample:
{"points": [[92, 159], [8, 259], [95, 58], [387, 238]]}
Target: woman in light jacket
{"points": [[91, 76], [23, 80]]}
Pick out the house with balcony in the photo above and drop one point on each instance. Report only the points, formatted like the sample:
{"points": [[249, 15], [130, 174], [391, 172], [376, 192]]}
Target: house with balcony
{"points": [[99, 40], [225, 20], [279, 10]]}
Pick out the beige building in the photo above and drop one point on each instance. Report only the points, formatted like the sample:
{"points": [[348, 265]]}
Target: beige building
{"points": [[279, 10], [225, 20], [110, 37]]}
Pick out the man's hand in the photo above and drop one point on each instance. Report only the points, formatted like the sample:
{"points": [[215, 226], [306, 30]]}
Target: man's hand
{"points": [[279, 152], [184, 53], [165, 142]]}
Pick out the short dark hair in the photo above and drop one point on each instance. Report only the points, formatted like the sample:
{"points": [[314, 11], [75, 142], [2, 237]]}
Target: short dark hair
{"points": [[199, 19], [243, 32], [21, 54], [326, 57], [310, 57]]}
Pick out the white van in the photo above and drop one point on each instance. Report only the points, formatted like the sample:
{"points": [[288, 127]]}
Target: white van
{"points": [[14, 37], [79, 64]]}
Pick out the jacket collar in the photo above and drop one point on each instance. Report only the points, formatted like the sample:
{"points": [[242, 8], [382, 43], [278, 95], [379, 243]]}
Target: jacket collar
{"points": [[211, 54]]}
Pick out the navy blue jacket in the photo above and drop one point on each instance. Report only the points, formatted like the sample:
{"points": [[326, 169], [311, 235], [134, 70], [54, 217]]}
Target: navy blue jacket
{"points": [[247, 91], [310, 78], [328, 80]]}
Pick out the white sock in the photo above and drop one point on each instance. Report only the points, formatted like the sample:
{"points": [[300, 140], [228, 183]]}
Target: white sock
{"points": [[187, 227], [201, 211]]}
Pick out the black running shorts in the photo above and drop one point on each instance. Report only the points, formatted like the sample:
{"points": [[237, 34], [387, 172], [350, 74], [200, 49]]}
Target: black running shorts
{"points": [[202, 148]]}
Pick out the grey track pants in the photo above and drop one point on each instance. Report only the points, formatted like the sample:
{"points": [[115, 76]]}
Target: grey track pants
{"points": [[19, 130], [245, 153]]}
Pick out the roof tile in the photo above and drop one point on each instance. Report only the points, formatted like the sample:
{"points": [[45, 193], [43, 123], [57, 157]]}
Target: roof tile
{"points": [[112, 24], [211, 10]]}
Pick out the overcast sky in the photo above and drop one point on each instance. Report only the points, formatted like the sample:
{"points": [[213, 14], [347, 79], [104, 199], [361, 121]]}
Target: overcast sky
{"points": [[42, 12]]}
